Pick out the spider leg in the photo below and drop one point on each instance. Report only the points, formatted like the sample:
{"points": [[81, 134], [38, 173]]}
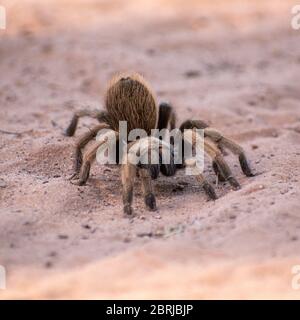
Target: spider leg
{"points": [[223, 168], [208, 188], [147, 171], [149, 197], [167, 165], [199, 124], [128, 178], [236, 149], [217, 172], [100, 115], [215, 154], [191, 136], [190, 124], [166, 116], [89, 157], [129, 171], [82, 142]]}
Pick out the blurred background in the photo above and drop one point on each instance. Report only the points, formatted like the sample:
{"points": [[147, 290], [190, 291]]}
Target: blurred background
{"points": [[234, 64]]}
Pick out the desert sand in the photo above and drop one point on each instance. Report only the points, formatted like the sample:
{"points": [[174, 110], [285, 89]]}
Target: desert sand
{"points": [[234, 64]]}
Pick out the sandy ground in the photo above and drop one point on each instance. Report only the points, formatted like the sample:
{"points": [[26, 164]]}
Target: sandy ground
{"points": [[235, 64]]}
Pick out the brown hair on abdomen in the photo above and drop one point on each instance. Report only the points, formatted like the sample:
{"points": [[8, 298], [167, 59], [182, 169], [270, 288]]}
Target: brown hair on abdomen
{"points": [[129, 98]]}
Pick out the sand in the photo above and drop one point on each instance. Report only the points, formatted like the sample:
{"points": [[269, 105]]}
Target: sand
{"points": [[234, 64]]}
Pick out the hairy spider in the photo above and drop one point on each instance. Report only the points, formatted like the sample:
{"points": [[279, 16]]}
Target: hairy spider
{"points": [[129, 98]]}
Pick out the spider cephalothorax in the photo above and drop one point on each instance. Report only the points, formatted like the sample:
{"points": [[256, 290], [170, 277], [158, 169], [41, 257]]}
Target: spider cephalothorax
{"points": [[129, 98]]}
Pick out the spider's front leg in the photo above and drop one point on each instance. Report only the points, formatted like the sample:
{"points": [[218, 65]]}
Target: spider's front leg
{"points": [[128, 178], [148, 192], [147, 170], [90, 156], [129, 172], [81, 143]]}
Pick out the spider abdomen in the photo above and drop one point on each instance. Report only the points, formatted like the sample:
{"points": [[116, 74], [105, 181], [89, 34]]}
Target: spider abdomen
{"points": [[129, 98]]}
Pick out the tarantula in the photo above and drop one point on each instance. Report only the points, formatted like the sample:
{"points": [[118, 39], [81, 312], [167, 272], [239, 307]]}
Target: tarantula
{"points": [[129, 98]]}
